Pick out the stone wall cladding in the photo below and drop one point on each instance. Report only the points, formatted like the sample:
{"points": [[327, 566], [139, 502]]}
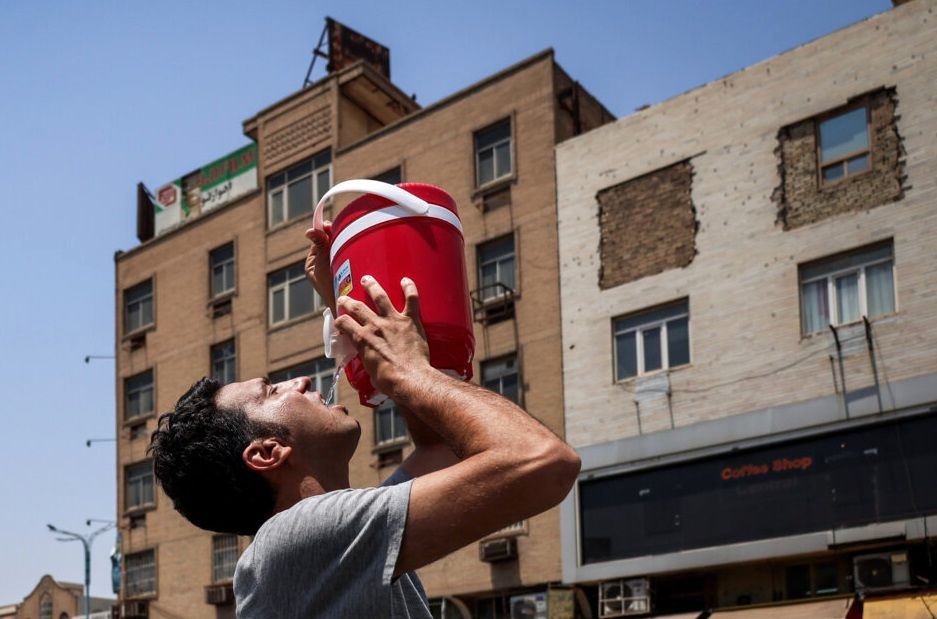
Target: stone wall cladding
{"points": [[804, 201], [312, 129], [648, 225]]}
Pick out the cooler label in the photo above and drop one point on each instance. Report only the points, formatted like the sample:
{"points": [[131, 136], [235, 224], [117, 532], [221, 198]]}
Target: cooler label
{"points": [[343, 283]]}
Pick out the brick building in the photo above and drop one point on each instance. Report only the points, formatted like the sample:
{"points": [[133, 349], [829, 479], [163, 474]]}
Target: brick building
{"points": [[216, 288], [52, 599], [749, 325]]}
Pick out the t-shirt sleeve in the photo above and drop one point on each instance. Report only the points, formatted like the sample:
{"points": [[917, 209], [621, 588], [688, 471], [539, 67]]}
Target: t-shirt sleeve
{"points": [[338, 549]]}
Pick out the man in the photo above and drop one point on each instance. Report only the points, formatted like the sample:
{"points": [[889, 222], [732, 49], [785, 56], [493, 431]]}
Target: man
{"points": [[271, 460]]}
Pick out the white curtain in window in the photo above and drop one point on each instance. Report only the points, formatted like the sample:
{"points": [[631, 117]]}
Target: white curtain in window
{"points": [[847, 297], [880, 288], [814, 306]]}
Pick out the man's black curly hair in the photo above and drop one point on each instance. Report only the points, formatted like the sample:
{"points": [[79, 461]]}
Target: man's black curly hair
{"points": [[196, 452]]}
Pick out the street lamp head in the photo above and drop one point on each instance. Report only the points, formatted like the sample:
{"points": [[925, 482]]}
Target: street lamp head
{"points": [[51, 528]]}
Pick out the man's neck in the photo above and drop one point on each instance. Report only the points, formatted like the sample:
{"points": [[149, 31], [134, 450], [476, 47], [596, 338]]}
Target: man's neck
{"points": [[307, 486]]}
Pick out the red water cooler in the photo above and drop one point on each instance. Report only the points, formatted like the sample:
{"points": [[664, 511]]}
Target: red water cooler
{"points": [[407, 230]]}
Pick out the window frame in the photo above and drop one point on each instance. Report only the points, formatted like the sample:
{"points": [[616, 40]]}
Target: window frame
{"points": [[219, 575], [488, 363], [234, 356], [394, 441], [126, 569], [317, 303], [843, 160], [476, 152], [216, 296], [479, 248], [151, 297], [640, 328], [319, 377], [135, 419], [147, 467], [861, 286], [282, 187]]}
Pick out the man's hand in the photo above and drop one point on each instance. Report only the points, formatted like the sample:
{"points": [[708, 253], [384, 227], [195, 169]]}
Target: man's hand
{"points": [[392, 345], [318, 271]]}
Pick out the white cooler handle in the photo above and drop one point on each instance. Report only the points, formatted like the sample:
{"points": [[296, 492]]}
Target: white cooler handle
{"points": [[402, 197]]}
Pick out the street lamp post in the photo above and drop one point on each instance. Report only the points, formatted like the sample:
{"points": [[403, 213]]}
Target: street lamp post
{"points": [[86, 542]]}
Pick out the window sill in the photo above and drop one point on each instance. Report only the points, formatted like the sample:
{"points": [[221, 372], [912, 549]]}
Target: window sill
{"points": [[138, 420], [139, 510], [394, 445], [286, 324], [222, 298], [138, 332], [493, 186], [142, 597], [881, 319], [653, 373]]}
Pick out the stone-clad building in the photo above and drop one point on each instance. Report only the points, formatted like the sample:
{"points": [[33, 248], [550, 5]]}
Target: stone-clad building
{"points": [[749, 303], [53, 599], [216, 288]]}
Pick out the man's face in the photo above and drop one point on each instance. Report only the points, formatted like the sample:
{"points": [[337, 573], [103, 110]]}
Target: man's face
{"points": [[317, 431]]}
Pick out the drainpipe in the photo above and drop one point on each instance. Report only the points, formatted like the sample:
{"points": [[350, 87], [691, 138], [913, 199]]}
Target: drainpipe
{"points": [[842, 373], [868, 339]]}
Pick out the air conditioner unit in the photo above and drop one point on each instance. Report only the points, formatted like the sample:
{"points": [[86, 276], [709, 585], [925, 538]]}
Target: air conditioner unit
{"points": [[219, 594], [501, 549], [134, 609], [623, 598], [883, 571], [529, 606]]}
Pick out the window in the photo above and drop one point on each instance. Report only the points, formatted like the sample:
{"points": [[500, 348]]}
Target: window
{"points": [[138, 306], [389, 424], [290, 295], [846, 287], [493, 153], [496, 267], [224, 557], [45, 606], [224, 362], [392, 176], [138, 485], [320, 370], [222, 270], [138, 395], [140, 573], [296, 191], [501, 376], [652, 340], [843, 142]]}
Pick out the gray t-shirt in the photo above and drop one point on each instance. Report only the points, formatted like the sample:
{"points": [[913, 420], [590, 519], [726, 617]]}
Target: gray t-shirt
{"points": [[332, 556]]}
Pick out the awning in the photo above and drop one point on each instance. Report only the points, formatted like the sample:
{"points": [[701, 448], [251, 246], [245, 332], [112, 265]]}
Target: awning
{"points": [[918, 606], [826, 609]]}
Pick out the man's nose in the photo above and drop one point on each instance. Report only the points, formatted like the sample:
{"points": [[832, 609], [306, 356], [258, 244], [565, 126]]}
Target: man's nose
{"points": [[301, 384]]}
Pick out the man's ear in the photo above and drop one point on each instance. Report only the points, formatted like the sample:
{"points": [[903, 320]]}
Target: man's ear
{"points": [[265, 455]]}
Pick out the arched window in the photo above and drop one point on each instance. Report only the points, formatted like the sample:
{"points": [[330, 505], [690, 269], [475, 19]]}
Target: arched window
{"points": [[63, 616], [45, 606]]}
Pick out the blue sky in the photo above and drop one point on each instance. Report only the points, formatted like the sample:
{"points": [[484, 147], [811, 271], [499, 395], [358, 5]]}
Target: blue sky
{"points": [[96, 96]]}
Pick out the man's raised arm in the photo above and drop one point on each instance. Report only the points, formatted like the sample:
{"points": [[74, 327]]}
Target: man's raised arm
{"points": [[511, 468]]}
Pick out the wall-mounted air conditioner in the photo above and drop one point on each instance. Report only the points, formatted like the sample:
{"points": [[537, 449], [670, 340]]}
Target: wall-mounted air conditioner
{"points": [[501, 549], [882, 571], [623, 598], [134, 609], [529, 606]]}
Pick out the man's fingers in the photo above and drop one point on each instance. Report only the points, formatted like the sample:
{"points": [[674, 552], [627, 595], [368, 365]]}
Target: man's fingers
{"points": [[411, 307], [377, 294], [347, 325], [357, 310]]}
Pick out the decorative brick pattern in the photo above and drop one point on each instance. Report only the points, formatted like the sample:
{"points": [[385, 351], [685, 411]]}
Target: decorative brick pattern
{"points": [[315, 127], [648, 225], [804, 201]]}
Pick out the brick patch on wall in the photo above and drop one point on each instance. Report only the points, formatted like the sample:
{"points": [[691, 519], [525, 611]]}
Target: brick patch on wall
{"points": [[800, 197], [647, 225]]}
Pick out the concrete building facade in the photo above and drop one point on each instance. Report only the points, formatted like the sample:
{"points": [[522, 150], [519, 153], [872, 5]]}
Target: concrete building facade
{"points": [[219, 291], [749, 325]]}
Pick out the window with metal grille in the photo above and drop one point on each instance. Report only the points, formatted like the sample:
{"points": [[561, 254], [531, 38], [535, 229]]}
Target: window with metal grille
{"points": [[138, 306], [496, 267], [138, 395], [493, 153], [140, 573], [845, 287], [224, 362], [138, 485], [652, 340], [289, 295], [224, 557], [501, 376], [295, 192], [222, 270]]}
